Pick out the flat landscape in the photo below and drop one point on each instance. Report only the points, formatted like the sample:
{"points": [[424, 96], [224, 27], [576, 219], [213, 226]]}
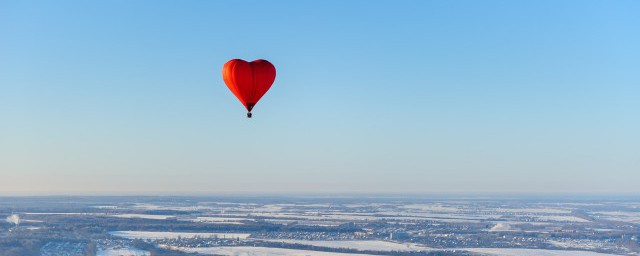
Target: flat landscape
{"points": [[322, 226]]}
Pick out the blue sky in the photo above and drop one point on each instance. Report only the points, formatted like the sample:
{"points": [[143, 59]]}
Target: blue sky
{"points": [[371, 96]]}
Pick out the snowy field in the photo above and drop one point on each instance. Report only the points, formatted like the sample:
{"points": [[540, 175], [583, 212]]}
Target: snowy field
{"points": [[358, 245], [60, 213], [431, 208], [560, 218], [219, 220], [122, 252], [266, 251], [531, 252], [261, 251], [145, 206], [149, 235], [581, 244], [320, 223], [452, 218], [630, 217], [347, 217], [443, 217], [106, 207], [534, 210], [144, 216]]}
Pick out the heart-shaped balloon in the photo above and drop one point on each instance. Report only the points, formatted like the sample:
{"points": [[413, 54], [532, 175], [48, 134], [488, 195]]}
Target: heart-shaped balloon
{"points": [[248, 81]]}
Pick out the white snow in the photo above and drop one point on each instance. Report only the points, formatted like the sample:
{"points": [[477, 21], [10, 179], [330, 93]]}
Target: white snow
{"points": [[533, 223], [122, 252], [106, 207], [219, 220], [60, 213], [144, 216], [362, 245], [264, 208], [151, 235], [443, 216], [145, 206], [261, 251], [561, 218], [389, 216], [314, 216], [534, 210], [225, 222], [321, 223], [531, 252], [631, 217], [431, 207]]}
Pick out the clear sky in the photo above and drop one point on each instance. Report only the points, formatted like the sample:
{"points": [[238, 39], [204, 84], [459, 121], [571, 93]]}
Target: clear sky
{"points": [[126, 97]]}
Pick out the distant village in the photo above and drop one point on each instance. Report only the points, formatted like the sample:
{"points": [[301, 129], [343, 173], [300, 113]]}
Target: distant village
{"points": [[315, 226]]}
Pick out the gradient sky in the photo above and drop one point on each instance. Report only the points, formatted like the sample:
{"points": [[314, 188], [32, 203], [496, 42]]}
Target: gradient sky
{"points": [[126, 97]]}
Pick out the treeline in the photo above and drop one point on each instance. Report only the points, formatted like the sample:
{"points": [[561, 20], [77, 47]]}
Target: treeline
{"points": [[99, 224]]}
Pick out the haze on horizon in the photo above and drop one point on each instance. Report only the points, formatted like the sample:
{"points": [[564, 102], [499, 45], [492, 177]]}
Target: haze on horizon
{"points": [[126, 97]]}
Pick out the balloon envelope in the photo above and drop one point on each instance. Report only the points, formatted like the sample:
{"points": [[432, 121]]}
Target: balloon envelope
{"points": [[248, 81]]}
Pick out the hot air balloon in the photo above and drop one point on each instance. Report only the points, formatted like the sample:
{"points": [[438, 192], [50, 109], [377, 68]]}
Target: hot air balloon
{"points": [[248, 81]]}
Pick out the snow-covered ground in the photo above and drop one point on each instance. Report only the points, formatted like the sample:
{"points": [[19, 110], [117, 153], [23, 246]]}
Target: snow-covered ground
{"points": [[348, 217], [266, 251], [144, 216], [560, 218], [631, 217], [438, 217], [534, 210], [533, 223], [362, 245], [531, 252], [431, 207], [122, 252], [570, 243], [321, 223], [219, 220], [150, 235], [261, 251], [60, 213], [106, 207], [145, 206], [389, 216]]}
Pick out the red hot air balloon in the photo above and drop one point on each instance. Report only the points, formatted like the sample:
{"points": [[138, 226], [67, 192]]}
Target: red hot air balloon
{"points": [[248, 80]]}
